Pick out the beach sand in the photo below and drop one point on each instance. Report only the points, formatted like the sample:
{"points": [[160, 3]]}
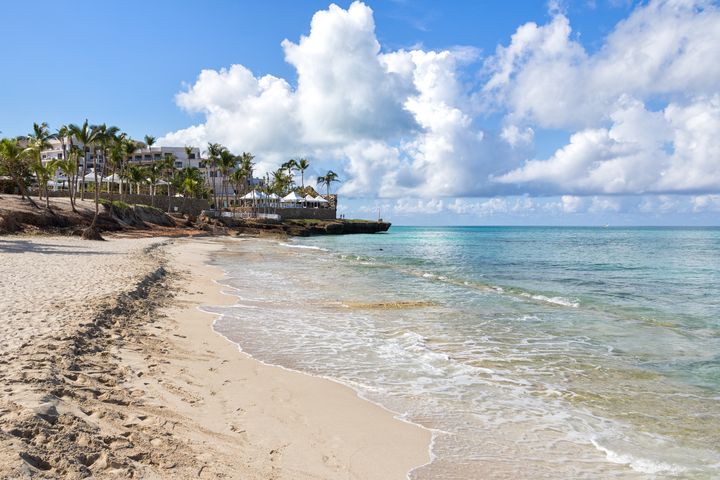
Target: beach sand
{"points": [[109, 369]]}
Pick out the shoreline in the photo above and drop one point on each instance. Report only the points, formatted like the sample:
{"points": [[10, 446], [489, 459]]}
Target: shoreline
{"points": [[138, 383], [395, 415], [392, 447]]}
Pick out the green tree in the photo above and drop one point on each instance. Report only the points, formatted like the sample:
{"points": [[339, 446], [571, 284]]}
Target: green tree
{"points": [[169, 172], [87, 136], [38, 141], [69, 167], [14, 161], [149, 141], [213, 152], [154, 173], [302, 165], [327, 180], [129, 146], [226, 164], [136, 175]]}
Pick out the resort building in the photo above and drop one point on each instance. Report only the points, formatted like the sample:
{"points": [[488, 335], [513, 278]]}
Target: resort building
{"points": [[213, 180]]}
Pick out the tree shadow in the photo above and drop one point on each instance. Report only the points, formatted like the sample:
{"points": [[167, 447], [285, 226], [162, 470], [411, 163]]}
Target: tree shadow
{"points": [[23, 246]]}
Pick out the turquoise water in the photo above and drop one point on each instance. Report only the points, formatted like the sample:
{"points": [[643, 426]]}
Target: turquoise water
{"points": [[530, 352]]}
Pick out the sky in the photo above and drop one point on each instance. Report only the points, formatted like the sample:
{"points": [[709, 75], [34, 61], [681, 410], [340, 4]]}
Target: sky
{"points": [[603, 112]]}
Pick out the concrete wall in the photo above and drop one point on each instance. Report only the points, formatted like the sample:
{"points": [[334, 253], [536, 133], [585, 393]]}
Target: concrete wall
{"points": [[304, 213], [297, 213]]}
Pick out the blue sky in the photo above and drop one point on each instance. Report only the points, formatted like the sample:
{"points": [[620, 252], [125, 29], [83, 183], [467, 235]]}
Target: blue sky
{"points": [[467, 112]]}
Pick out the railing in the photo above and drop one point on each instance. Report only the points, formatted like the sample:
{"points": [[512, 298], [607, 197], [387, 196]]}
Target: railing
{"points": [[241, 215]]}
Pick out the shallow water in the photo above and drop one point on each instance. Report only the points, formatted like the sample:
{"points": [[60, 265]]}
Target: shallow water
{"points": [[531, 352]]}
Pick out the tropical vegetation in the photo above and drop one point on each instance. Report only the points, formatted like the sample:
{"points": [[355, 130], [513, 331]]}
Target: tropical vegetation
{"points": [[99, 157]]}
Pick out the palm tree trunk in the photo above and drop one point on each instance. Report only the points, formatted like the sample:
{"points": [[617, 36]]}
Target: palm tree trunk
{"points": [[84, 172], [97, 193], [214, 175], [23, 192]]}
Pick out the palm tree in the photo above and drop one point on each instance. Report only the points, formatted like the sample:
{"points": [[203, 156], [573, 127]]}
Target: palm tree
{"points": [[116, 159], [280, 182], [302, 165], [226, 163], [238, 177], [169, 169], [213, 152], [190, 182], [13, 160], [62, 134], [43, 173], [289, 166], [247, 166], [38, 141], [154, 173], [149, 141], [69, 166], [73, 156], [86, 135], [328, 179], [101, 136], [136, 174], [107, 138], [128, 146]]}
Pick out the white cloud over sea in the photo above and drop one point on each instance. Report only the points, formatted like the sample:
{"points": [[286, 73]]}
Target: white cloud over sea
{"points": [[642, 114]]}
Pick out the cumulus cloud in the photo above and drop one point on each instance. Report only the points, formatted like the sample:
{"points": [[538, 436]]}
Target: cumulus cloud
{"points": [[642, 112], [394, 123], [546, 77], [662, 54], [674, 150]]}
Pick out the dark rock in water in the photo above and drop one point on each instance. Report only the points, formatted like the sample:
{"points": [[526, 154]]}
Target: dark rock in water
{"points": [[334, 228]]}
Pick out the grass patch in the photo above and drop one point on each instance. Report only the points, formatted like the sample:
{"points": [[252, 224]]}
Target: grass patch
{"points": [[151, 208], [116, 204]]}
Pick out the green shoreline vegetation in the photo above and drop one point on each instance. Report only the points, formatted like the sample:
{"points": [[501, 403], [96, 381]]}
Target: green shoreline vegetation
{"points": [[23, 166]]}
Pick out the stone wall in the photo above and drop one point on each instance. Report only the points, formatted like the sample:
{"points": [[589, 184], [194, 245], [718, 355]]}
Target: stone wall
{"points": [[191, 206]]}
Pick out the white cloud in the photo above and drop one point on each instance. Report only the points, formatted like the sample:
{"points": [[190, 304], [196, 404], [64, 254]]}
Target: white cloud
{"points": [[642, 111], [546, 77], [345, 91], [396, 123], [706, 203], [674, 150], [515, 137], [571, 203]]}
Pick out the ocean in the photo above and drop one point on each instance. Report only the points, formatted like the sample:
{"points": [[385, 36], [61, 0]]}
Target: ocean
{"points": [[529, 352]]}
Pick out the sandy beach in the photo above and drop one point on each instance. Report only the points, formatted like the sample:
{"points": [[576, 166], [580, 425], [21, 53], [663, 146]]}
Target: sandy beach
{"points": [[109, 369]]}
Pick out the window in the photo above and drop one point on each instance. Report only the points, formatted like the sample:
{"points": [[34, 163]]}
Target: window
{"points": [[178, 164], [192, 156]]}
